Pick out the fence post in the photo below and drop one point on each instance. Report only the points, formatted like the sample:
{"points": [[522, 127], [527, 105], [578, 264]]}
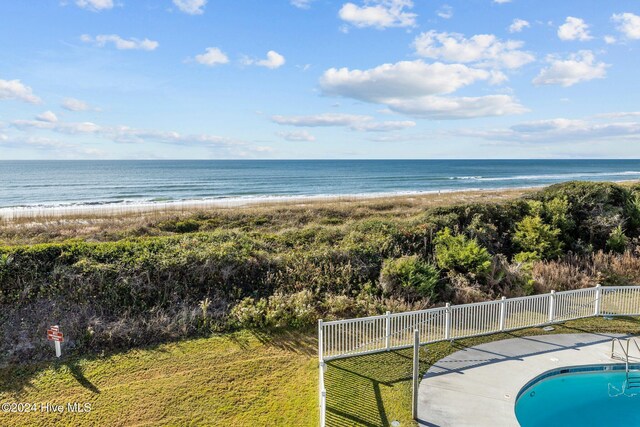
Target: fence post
{"points": [[416, 369], [447, 322], [320, 342], [596, 311], [552, 306], [323, 407], [503, 312], [387, 330], [323, 392]]}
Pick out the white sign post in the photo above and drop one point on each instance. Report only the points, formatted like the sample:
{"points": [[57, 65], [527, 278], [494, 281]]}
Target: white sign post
{"points": [[416, 370], [54, 334]]}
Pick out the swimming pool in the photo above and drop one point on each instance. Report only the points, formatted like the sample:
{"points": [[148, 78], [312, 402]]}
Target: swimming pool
{"points": [[579, 396]]}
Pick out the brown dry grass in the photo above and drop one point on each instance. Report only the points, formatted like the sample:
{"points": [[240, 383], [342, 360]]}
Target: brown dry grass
{"points": [[273, 216]]}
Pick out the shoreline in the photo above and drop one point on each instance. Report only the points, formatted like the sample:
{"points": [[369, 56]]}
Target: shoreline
{"points": [[110, 210], [9, 214]]}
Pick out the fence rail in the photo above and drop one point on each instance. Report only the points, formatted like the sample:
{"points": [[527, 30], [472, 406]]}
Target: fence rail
{"points": [[354, 337]]}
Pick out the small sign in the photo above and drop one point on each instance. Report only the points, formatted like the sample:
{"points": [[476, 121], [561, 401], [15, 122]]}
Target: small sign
{"points": [[54, 334]]}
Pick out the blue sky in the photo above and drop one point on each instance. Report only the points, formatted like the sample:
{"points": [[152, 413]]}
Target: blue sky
{"points": [[218, 79]]}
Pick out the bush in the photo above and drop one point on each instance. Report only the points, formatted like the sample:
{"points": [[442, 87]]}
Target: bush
{"points": [[534, 236], [460, 254], [617, 241], [296, 310], [410, 277], [181, 226], [595, 208]]}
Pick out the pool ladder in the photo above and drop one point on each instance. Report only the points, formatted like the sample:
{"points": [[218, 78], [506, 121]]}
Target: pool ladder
{"points": [[633, 375]]}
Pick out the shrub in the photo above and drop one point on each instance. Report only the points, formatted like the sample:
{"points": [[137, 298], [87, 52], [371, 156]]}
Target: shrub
{"points": [[557, 212], [617, 241], [464, 290], [458, 253], [181, 226], [534, 236], [595, 208], [411, 277], [278, 311], [250, 313]]}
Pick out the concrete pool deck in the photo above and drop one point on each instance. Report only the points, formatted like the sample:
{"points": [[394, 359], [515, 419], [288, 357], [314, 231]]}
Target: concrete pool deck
{"points": [[478, 386]]}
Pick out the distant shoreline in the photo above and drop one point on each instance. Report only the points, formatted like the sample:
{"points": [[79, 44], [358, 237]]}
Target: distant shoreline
{"points": [[9, 214], [116, 209]]}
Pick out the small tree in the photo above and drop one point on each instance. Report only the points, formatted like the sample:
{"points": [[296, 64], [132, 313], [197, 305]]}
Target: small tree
{"points": [[537, 238], [617, 241], [461, 254]]}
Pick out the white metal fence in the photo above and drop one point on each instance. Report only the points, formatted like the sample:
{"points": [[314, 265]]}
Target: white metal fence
{"points": [[365, 335]]}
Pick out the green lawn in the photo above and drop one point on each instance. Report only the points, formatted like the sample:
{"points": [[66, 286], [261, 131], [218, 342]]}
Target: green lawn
{"points": [[375, 390], [239, 379]]}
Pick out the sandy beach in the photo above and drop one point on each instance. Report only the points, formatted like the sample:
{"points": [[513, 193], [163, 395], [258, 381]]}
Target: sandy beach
{"points": [[428, 198]]}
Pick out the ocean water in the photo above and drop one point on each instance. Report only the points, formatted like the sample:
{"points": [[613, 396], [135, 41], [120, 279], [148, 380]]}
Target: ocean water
{"points": [[56, 183]]}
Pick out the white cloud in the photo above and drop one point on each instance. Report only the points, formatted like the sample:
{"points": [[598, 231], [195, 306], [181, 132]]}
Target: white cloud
{"points": [[297, 135], [73, 104], [192, 7], [628, 24], [502, 1], [385, 126], [125, 134], [63, 149], [301, 4], [95, 5], [518, 25], [212, 56], [14, 89], [415, 87], [578, 67], [274, 60], [120, 43], [574, 29], [609, 39], [402, 79], [483, 49], [320, 120], [47, 116], [355, 122], [451, 108], [379, 14], [562, 129], [445, 12], [618, 115]]}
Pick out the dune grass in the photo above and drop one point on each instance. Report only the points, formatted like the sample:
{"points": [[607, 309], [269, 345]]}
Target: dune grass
{"points": [[238, 379], [275, 216]]}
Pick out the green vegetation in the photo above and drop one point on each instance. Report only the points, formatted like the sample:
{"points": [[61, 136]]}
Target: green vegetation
{"points": [[411, 277], [374, 390], [132, 284], [238, 379], [537, 239], [459, 253]]}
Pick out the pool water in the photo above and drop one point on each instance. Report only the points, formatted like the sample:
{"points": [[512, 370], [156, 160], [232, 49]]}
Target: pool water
{"points": [[584, 399]]}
